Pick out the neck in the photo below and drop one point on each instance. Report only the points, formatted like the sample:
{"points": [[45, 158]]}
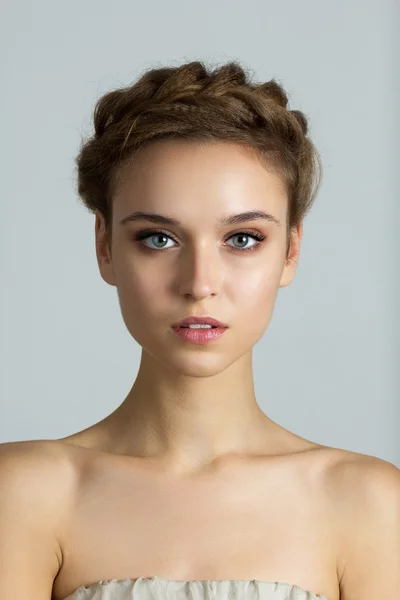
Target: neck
{"points": [[189, 422]]}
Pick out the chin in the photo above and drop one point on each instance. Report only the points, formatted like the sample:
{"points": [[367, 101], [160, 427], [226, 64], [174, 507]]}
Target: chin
{"points": [[195, 363]]}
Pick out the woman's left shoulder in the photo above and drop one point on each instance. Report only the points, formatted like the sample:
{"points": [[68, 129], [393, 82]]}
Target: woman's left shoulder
{"points": [[362, 478]]}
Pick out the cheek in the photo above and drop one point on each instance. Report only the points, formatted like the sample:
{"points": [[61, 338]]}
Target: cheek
{"points": [[142, 296], [257, 287], [254, 300], [137, 282]]}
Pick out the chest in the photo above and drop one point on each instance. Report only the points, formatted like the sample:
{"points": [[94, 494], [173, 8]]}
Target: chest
{"points": [[260, 524]]}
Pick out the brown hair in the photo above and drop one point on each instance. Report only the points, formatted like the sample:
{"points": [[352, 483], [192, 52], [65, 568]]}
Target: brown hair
{"points": [[195, 104]]}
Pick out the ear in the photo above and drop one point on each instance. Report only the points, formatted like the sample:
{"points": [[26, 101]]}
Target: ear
{"points": [[289, 270], [103, 252]]}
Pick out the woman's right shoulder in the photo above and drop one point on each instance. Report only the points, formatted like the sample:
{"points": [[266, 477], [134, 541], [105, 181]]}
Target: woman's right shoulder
{"points": [[33, 450], [37, 482], [37, 467]]}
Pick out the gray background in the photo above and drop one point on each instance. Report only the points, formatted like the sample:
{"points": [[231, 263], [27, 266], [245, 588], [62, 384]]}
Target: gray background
{"points": [[327, 367]]}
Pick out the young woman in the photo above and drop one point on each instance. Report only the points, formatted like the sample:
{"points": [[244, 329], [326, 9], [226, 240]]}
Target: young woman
{"points": [[199, 181]]}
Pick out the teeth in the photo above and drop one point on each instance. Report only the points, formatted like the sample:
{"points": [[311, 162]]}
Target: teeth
{"points": [[199, 326]]}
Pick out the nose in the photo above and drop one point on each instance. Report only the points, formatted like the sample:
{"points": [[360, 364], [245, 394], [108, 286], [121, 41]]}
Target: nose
{"points": [[200, 272]]}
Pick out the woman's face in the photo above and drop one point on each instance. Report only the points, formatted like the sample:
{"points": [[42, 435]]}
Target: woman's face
{"points": [[199, 266]]}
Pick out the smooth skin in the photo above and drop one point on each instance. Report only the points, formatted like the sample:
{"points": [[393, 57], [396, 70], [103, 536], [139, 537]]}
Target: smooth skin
{"points": [[193, 405], [188, 478]]}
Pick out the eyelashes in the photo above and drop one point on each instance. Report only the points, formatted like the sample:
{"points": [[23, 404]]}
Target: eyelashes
{"points": [[142, 235]]}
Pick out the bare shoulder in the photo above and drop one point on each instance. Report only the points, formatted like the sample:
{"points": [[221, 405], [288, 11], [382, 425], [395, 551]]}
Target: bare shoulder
{"points": [[354, 480], [36, 480], [356, 473], [45, 464], [41, 474], [36, 457], [364, 493]]}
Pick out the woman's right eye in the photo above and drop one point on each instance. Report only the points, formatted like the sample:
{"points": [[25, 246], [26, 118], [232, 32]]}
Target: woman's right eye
{"points": [[156, 237]]}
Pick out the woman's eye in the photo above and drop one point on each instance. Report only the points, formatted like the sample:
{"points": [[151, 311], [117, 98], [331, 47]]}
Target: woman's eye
{"points": [[243, 240], [159, 238]]}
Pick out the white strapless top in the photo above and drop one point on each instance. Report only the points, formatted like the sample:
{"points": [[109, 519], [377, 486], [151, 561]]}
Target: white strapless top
{"points": [[158, 588]]}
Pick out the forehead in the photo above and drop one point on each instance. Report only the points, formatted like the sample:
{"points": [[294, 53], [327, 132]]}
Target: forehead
{"points": [[192, 180]]}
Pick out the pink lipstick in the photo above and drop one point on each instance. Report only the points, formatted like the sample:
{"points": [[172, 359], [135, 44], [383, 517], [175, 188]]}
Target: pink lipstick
{"points": [[199, 330]]}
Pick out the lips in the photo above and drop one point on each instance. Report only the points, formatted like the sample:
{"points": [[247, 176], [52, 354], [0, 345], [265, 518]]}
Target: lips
{"points": [[205, 320]]}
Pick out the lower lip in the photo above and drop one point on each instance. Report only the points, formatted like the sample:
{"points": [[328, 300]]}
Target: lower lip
{"points": [[199, 336]]}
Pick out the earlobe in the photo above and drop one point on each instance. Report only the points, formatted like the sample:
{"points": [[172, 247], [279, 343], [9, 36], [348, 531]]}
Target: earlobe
{"points": [[288, 273]]}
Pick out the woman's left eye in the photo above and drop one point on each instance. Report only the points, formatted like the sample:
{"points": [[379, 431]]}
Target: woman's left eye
{"points": [[141, 236], [256, 236]]}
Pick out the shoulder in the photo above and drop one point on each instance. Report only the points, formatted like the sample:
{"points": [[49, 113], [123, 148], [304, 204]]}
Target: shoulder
{"points": [[38, 476], [35, 457], [354, 480], [44, 463], [36, 479], [364, 494], [358, 473]]}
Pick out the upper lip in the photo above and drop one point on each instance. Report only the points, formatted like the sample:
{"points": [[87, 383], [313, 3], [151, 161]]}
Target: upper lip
{"points": [[205, 320]]}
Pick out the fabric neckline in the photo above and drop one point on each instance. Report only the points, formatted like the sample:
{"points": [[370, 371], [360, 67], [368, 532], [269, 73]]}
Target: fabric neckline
{"points": [[175, 582]]}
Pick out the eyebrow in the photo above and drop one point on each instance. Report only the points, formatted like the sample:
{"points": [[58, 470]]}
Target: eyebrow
{"points": [[251, 215]]}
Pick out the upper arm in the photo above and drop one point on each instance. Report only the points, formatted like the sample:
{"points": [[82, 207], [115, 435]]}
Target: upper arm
{"points": [[370, 558], [29, 551]]}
